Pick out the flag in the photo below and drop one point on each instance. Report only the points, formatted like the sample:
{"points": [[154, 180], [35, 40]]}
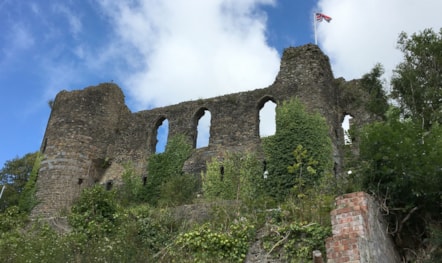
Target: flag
{"points": [[320, 17]]}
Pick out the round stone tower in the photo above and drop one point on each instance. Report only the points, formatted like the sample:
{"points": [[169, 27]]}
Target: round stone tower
{"points": [[80, 130]]}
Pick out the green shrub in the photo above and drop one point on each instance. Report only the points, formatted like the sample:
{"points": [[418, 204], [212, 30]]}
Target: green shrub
{"points": [[295, 126], [178, 190], [39, 243], [11, 219], [236, 177], [95, 212], [296, 241], [208, 244], [164, 166]]}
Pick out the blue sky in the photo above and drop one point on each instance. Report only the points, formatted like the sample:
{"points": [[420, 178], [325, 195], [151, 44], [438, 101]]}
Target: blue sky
{"points": [[164, 52]]}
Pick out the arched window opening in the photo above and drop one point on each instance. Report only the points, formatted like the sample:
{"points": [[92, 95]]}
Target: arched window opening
{"points": [[162, 135], [267, 119], [346, 128], [203, 128]]}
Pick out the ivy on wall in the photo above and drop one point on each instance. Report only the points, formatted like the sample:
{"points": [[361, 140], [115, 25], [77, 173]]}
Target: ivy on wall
{"points": [[295, 126]]}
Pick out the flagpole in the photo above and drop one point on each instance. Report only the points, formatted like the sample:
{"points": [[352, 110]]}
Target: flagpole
{"points": [[314, 24]]}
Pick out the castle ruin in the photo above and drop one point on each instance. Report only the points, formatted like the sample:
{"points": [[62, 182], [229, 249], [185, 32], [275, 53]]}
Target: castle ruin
{"points": [[91, 133]]}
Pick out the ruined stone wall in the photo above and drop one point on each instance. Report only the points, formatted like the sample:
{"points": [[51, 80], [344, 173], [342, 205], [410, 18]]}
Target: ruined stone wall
{"points": [[75, 145], [91, 134], [359, 232]]}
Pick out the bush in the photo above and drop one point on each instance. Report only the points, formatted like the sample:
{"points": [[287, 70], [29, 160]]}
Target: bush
{"points": [[178, 190], [95, 213], [295, 126], [236, 177], [208, 244], [164, 166], [296, 241]]}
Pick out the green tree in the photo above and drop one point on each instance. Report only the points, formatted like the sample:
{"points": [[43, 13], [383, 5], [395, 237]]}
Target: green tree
{"points": [[400, 158], [372, 83], [14, 175], [165, 166], [304, 164], [295, 126], [236, 177], [310, 201], [417, 81], [402, 167]]}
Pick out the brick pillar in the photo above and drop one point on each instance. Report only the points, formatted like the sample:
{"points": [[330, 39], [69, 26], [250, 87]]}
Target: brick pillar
{"points": [[359, 232]]}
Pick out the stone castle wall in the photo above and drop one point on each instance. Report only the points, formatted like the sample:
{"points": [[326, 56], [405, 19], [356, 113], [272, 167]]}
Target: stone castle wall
{"points": [[91, 134]]}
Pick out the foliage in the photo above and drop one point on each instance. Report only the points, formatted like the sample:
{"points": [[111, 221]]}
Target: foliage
{"points": [[206, 244], [402, 168], [236, 177], [297, 240], [304, 165], [141, 233], [312, 203], [11, 218], [417, 81], [154, 227], [165, 166], [27, 199], [399, 160], [309, 201], [14, 175], [39, 243], [95, 213], [178, 190], [295, 126], [372, 83], [103, 231], [436, 244], [131, 190]]}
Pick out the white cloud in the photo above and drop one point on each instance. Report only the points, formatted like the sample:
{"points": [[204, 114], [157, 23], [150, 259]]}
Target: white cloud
{"points": [[193, 49], [17, 40], [365, 32], [75, 24], [20, 37], [34, 8]]}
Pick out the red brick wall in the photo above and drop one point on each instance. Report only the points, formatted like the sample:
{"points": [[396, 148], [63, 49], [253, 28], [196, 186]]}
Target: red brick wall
{"points": [[359, 232]]}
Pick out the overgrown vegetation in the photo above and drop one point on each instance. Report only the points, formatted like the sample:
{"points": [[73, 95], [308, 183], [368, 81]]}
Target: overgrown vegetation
{"points": [[400, 157], [236, 177], [165, 172], [296, 127], [18, 176], [165, 177], [206, 243], [372, 83], [141, 224], [286, 198], [402, 169]]}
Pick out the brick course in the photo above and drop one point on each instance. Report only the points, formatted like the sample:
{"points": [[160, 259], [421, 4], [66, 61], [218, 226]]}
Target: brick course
{"points": [[359, 232]]}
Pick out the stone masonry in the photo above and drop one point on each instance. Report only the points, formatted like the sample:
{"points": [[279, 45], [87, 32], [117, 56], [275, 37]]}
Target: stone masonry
{"points": [[91, 134]]}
